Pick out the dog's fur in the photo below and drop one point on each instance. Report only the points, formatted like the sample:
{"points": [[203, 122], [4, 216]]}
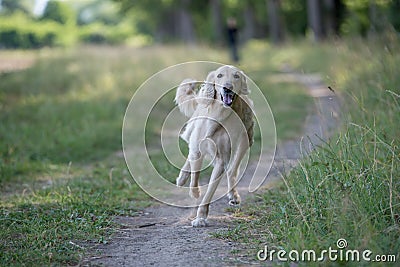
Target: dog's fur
{"points": [[220, 126]]}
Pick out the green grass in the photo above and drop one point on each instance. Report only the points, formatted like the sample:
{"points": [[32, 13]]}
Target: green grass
{"points": [[55, 223], [349, 187], [62, 178]]}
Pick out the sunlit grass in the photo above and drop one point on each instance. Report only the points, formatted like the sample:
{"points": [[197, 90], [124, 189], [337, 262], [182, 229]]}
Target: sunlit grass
{"points": [[62, 176]]}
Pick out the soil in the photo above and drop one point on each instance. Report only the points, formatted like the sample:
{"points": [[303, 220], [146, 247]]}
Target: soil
{"points": [[163, 236], [14, 63]]}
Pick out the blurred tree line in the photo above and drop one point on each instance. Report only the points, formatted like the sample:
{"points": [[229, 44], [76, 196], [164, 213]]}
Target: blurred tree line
{"points": [[190, 21], [64, 23]]}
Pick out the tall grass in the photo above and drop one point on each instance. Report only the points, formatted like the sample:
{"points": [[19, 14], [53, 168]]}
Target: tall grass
{"points": [[348, 187]]}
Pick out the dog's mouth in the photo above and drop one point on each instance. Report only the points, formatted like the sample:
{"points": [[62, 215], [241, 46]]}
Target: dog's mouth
{"points": [[227, 97]]}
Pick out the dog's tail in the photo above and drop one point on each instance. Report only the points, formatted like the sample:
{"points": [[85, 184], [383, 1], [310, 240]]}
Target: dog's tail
{"points": [[185, 97]]}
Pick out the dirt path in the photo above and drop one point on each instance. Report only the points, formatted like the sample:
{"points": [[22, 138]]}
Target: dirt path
{"points": [[12, 62], [162, 235]]}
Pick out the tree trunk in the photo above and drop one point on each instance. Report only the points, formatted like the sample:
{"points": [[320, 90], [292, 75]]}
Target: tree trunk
{"points": [[333, 15], [329, 17], [315, 23], [185, 23], [249, 23], [339, 12], [216, 21], [275, 21], [376, 19]]}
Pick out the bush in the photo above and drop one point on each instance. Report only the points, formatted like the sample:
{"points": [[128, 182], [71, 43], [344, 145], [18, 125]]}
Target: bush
{"points": [[19, 31], [99, 33]]}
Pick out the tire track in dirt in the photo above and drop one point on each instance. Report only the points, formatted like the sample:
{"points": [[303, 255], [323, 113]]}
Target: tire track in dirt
{"points": [[162, 236]]}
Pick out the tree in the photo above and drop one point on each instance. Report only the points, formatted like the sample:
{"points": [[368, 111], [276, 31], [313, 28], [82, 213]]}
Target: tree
{"points": [[184, 23], [11, 6], [249, 30], [368, 17], [216, 20], [394, 7], [315, 23], [59, 12], [192, 19], [103, 11], [275, 21]]}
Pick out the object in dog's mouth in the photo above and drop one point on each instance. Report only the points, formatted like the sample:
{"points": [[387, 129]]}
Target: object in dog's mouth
{"points": [[227, 97]]}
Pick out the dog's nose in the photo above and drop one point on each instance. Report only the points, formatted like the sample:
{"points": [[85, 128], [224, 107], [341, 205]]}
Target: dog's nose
{"points": [[228, 86]]}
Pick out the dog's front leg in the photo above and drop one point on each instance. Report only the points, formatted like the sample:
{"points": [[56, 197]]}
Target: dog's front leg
{"points": [[202, 211], [183, 174], [195, 159]]}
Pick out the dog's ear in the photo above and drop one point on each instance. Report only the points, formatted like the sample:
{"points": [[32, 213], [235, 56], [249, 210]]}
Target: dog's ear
{"points": [[245, 87], [206, 93], [211, 78], [210, 83]]}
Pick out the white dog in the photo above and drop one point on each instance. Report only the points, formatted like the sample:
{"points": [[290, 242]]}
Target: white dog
{"points": [[220, 126]]}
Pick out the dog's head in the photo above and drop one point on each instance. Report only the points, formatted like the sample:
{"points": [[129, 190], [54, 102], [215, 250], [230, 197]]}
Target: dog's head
{"points": [[228, 82]]}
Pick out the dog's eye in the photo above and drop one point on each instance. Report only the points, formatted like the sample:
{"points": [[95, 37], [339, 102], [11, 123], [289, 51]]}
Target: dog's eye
{"points": [[219, 75], [236, 76]]}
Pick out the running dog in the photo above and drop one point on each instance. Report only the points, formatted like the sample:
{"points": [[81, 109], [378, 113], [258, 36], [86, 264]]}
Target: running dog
{"points": [[220, 127]]}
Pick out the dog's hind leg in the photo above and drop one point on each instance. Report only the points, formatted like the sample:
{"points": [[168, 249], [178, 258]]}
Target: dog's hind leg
{"points": [[202, 211], [233, 195]]}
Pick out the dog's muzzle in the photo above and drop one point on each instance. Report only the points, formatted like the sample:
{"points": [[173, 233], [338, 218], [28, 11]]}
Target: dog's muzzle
{"points": [[228, 96]]}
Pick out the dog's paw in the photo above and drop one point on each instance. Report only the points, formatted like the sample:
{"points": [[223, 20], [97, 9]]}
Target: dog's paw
{"points": [[199, 222], [234, 199], [194, 192], [182, 178]]}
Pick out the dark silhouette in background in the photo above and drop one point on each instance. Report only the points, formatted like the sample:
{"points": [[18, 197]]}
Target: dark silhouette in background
{"points": [[232, 32]]}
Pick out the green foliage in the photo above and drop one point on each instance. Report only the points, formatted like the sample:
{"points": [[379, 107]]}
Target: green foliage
{"points": [[103, 11], [59, 12], [99, 33], [10, 6], [357, 20], [294, 14], [141, 22], [345, 18], [19, 31], [363, 16], [394, 17]]}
